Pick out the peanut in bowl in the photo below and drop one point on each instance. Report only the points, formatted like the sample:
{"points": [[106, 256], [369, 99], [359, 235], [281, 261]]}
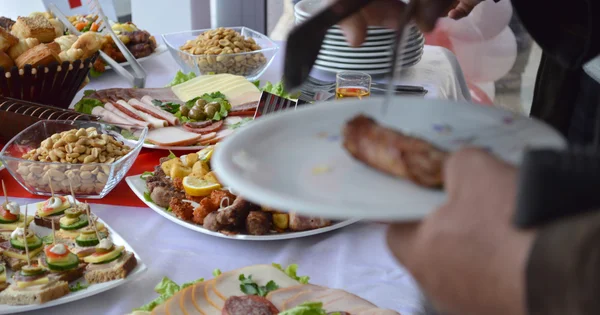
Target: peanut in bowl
{"points": [[236, 50], [92, 157]]}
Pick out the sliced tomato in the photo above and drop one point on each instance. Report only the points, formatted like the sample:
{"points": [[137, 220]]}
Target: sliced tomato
{"points": [[45, 207], [6, 215], [52, 255]]}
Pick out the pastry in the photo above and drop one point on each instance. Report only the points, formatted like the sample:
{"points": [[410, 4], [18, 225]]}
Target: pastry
{"points": [[67, 53], [6, 23], [89, 43], [36, 56], [37, 27], [7, 40], [5, 61], [22, 46]]}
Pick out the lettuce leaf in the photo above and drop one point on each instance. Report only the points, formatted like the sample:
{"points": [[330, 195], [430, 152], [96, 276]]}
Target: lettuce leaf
{"points": [[86, 105], [166, 289], [278, 90], [291, 271], [181, 77], [307, 308]]}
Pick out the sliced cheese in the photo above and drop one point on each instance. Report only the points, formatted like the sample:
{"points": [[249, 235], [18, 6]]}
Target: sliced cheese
{"points": [[228, 283], [160, 309], [172, 304], [14, 225], [40, 281], [23, 256], [186, 302], [72, 234], [200, 302], [236, 88], [211, 296], [65, 205], [279, 296]]}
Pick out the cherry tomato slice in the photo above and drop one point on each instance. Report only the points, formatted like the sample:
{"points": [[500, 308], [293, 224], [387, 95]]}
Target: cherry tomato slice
{"points": [[6, 215], [51, 255]]}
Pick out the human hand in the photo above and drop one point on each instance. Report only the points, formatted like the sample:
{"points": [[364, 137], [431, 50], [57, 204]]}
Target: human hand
{"points": [[466, 256], [462, 8]]}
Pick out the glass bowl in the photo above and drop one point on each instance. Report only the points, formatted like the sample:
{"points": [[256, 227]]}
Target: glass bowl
{"points": [[248, 64], [98, 169]]}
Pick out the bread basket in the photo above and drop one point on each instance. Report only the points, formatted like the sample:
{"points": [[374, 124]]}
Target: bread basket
{"points": [[54, 85], [17, 115]]}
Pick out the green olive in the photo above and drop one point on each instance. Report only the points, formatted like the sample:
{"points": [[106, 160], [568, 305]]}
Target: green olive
{"points": [[214, 104], [210, 111], [197, 114], [197, 107], [184, 110], [73, 213], [200, 102]]}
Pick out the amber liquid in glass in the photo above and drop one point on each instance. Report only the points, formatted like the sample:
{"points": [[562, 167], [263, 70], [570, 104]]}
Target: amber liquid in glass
{"points": [[349, 92]]}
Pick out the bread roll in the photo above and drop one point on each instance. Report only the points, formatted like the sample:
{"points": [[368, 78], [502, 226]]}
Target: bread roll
{"points": [[66, 41], [37, 27], [22, 46], [6, 61], [40, 55], [7, 40], [59, 28], [89, 42]]}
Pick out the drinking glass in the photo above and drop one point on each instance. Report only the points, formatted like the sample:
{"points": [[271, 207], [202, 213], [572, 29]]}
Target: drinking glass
{"points": [[352, 84]]}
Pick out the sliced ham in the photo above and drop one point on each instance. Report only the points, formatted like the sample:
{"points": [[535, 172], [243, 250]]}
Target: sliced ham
{"points": [[376, 311], [146, 106], [186, 302], [218, 137], [210, 128], [157, 123], [109, 116], [163, 94], [232, 120], [279, 296], [160, 309], [200, 302], [173, 136], [244, 107], [172, 304], [212, 297], [112, 108], [131, 112]]}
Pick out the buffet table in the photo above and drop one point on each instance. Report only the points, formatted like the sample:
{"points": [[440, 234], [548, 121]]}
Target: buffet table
{"points": [[341, 259]]}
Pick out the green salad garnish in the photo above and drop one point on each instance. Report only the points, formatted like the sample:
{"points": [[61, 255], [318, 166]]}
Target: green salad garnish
{"points": [[181, 77], [166, 289]]}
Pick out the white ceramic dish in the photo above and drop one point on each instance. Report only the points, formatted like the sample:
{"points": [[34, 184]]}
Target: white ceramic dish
{"points": [[138, 186], [343, 43], [378, 71], [346, 188], [355, 60], [356, 49], [383, 53], [180, 148], [352, 66], [370, 38], [159, 50], [92, 289]]}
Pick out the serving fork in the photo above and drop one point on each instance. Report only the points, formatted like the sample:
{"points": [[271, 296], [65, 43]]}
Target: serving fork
{"points": [[138, 78], [270, 103]]}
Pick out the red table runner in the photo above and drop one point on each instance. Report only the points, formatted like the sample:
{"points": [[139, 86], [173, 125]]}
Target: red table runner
{"points": [[120, 195]]}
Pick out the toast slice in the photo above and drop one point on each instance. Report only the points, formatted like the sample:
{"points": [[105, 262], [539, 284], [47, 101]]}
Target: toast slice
{"points": [[47, 221], [68, 276], [117, 269], [52, 291], [34, 27]]}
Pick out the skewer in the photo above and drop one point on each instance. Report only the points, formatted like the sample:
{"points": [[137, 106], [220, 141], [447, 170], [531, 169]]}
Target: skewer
{"points": [[50, 185], [5, 194], [25, 237], [73, 194], [92, 222], [53, 234]]}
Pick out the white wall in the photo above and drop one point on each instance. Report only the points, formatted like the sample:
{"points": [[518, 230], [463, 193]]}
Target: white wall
{"points": [[167, 16], [16, 8]]}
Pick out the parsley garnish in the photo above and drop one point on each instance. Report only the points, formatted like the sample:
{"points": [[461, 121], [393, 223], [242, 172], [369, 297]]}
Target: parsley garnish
{"points": [[147, 197], [249, 287], [146, 174], [78, 287], [171, 155]]}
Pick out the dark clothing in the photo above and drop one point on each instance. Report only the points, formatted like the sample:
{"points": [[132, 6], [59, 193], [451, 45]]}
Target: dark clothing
{"points": [[569, 34]]}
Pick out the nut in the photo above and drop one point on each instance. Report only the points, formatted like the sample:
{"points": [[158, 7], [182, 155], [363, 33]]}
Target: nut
{"points": [[85, 175], [102, 178]]}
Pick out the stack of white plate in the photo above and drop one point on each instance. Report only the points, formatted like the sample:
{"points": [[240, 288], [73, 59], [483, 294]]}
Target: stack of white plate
{"points": [[373, 57]]}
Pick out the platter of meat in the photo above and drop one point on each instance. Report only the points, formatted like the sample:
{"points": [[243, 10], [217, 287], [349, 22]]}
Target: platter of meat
{"points": [[62, 254], [185, 191], [343, 160], [258, 289]]}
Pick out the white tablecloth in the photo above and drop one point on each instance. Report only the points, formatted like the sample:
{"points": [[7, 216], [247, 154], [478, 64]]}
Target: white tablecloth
{"points": [[354, 258]]}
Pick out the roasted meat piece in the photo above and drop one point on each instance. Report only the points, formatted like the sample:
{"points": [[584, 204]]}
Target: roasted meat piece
{"points": [[259, 222], [183, 210], [394, 153], [161, 188], [210, 222], [235, 215], [203, 209], [249, 305], [302, 223]]}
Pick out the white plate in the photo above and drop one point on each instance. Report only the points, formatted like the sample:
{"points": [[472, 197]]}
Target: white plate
{"points": [[367, 71], [368, 57], [138, 186], [92, 289], [354, 60], [356, 49], [181, 148], [383, 53], [276, 172], [370, 38], [159, 50], [351, 65], [343, 43]]}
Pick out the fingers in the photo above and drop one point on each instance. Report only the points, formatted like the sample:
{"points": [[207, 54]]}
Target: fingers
{"points": [[355, 29], [401, 239], [429, 11], [383, 13], [460, 11]]}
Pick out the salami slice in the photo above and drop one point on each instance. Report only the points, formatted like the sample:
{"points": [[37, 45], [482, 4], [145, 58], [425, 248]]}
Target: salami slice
{"points": [[210, 128], [244, 107], [249, 305], [127, 111]]}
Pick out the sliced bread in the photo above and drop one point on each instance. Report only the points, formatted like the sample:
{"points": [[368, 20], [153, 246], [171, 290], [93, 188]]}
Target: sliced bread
{"points": [[118, 269], [13, 296]]}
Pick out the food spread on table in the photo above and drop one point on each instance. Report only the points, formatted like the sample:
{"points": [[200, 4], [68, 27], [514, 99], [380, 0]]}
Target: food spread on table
{"points": [[398, 154], [186, 187], [139, 42], [259, 289], [218, 48], [88, 151], [39, 40], [46, 264]]}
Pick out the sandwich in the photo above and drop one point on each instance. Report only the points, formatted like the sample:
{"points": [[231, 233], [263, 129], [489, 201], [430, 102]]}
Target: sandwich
{"points": [[108, 263], [13, 250], [50, 210], [3, 283], [40, 55], [62, 263], [11, 218], [394, 153], [86, 242], [72, 223], [33, 286], [34, 27]]}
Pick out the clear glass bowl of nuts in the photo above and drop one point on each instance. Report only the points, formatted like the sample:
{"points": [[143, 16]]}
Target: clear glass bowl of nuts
{"points": [[92, 157], [234, 50]]}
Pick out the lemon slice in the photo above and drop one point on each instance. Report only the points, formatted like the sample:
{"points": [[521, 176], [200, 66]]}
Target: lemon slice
{"points": [[197, 187], [206, 153]]}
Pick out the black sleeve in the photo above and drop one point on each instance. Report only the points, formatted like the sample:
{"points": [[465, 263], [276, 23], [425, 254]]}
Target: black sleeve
{"points": [[567, 30], [563, 270]]}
